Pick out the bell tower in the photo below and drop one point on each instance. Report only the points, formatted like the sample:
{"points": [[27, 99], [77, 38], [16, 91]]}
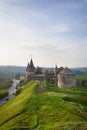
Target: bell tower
{"points": [[30, 70]]}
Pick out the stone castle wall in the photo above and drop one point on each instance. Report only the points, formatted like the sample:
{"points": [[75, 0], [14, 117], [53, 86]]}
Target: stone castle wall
{"points": [[65, 81], [36, 77]]}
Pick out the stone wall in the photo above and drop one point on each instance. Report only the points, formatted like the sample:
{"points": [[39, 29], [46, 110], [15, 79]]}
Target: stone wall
{"points": [[65, 81], [36, 77]]}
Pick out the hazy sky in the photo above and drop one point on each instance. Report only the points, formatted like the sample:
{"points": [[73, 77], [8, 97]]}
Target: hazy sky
{"points": [[52, 31]]}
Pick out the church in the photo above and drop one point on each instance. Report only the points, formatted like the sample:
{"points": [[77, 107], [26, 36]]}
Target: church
{"points": [[31, 72], [62, 77]]}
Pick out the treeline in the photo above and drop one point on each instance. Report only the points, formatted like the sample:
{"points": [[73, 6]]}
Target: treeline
{"points": [[82, 80]]}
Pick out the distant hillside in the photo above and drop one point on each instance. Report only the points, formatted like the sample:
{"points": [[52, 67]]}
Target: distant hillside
{"points": [[83, 77], [79, 71], [45, 108], [84, 69], [11, 71], [50, 69]]}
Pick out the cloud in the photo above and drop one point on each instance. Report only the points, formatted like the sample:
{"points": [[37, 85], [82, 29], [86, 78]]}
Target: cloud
{"points": [[25, 39], [60, 28], [68, 4], [14, 8], [10, 1], [43, 33]]}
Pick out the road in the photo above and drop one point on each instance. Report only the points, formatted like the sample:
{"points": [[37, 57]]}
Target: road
{"points": [[12, 92]]}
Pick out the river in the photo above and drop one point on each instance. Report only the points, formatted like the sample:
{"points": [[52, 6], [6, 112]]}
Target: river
{"points": [[12, 92]]}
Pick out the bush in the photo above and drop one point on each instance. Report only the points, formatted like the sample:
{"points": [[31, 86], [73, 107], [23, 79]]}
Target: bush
{"points": [[4, 85], [19, 89], [3, 93], [23, 81]]}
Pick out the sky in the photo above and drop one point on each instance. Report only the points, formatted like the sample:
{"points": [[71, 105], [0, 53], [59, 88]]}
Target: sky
{"points": [[52, 32]]}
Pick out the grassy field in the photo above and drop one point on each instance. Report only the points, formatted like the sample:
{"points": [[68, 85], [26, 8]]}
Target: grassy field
{"points": [[45, 107]]}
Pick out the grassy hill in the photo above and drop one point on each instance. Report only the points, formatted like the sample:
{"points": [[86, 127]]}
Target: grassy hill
{"points": [[45, 107]]}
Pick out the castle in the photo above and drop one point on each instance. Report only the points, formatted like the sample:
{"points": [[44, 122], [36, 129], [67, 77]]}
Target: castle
{"points": [[62, 77]]}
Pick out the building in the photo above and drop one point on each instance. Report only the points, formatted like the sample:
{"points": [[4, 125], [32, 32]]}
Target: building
{"points": [[66, 78], [56, 72], [62, 77], [30, 70]]}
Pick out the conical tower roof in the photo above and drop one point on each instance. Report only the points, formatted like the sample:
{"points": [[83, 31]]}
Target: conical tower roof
{"points": [[67, 71], [27, 67], [31, 66]]}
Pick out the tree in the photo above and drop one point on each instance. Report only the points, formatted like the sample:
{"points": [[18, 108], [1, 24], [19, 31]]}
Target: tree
{"points": [[38, 70]]}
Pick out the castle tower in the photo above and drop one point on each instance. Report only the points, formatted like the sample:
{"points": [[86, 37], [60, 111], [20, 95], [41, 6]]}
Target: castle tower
{"points": [[56, 70], [27, 70], [30, 70], [56, 74], [66, 78]]}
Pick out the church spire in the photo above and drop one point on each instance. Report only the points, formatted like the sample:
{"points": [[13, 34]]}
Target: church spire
{"points": [[30, 70], [27, 67], [31, 66]]}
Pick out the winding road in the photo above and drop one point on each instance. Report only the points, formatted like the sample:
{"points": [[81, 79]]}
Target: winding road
{"points": [[12, 92]]}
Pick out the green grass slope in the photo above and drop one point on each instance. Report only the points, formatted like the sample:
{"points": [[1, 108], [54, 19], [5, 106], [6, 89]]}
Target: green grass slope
{"points": [[42, 108]]}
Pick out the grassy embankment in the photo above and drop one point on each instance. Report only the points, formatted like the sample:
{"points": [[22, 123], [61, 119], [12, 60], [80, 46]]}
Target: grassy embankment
{"points": [[4, 85], [45, 108]]}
